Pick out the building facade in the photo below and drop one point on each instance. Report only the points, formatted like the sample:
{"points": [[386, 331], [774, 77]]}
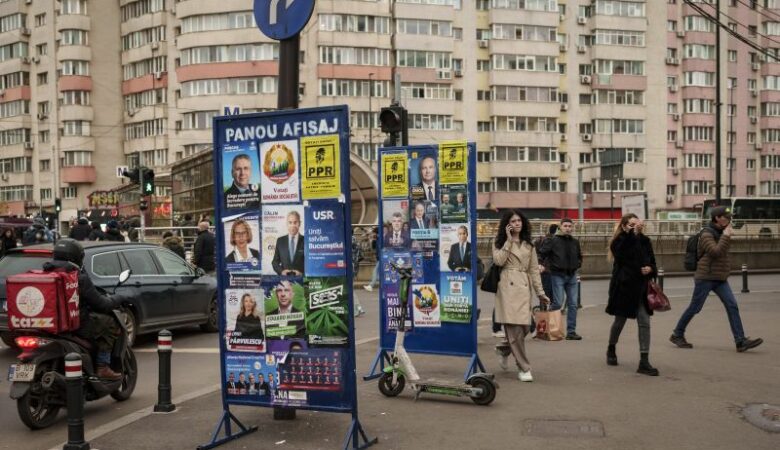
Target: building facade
{"points": [[542, 86]]}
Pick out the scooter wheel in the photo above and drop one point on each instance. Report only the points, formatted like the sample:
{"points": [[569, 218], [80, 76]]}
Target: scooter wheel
{"points": [[386, 386], [488, 391]]}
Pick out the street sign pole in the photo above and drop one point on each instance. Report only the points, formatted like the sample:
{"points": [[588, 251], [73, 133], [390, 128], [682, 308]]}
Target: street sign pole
{"points": [[141, 213], [289, 75]]}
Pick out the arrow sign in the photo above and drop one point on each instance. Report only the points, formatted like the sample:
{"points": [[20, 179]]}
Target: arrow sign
{"points": [[282, 19]]}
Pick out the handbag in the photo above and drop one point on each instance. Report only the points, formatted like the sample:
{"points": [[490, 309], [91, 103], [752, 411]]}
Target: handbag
{"points": [[656, 299], [490, 282], [549, 325]]}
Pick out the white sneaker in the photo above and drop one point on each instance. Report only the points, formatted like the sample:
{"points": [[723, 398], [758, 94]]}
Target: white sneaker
{"points": [[499, 334], [525, 376], [368, 287], [503, 362], [360, 311]]}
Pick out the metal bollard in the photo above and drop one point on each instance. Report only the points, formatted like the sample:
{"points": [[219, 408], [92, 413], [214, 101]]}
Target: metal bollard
{"points": [[745, 289], [164, 351], [579, 292], [75, 399], [661, 278], [281, 413]]}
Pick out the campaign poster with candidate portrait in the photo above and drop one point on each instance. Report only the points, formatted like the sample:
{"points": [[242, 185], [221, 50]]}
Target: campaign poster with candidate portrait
{"points": [[423, 174], [325, 247], [395, 174], [390, 293], [426, 305], [424, 221], [455, 290], [395, 224], [320, 167], [241, 176], [285, 307], [280, 174], [283, 240], [327, 311], [245, 320], [454, 203], [425, 267], [450, 250], [453, 162], [252, 376], [242, 242]]}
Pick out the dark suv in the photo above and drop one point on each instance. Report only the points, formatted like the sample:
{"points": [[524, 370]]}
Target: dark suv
{"points": [[167, 292]]}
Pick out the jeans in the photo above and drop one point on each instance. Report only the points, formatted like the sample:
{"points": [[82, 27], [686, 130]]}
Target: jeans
{"points": [[701, 289], [643, 323], [375, 275], [547, 285], [565, 286]]}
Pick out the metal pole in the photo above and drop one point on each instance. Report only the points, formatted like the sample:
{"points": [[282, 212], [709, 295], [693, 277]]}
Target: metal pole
{"points": [[661, 278], [371, 114], [745, 289], [164, 351], [289, 74], [75, 402], [580, 200], [731, 140], [612, 197], [141, 213], [718, 105]]}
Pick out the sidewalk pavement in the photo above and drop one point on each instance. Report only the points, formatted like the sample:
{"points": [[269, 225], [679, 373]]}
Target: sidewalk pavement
{"points": [[694, 404]]}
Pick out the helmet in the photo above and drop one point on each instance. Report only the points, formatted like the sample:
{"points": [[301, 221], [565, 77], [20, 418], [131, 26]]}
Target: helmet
{"points": [[69, 250]]}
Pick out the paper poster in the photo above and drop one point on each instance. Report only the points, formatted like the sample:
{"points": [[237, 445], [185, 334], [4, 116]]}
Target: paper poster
{"points": [[454, 203], [390, 284], [242, 242], [251, 375], [422, 175], [327, 311], [395, 181], [285, 307], [395, 224], [455, 247], [427, 305], [453, 160], [245, 320], [321, 167], [241, 176], [325, 247], [312, 370], [284, 241], [425, 267], [455, 297], [280, 172]]}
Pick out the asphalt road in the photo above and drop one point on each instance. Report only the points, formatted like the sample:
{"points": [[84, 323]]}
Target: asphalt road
{"points": [[196, 368]]}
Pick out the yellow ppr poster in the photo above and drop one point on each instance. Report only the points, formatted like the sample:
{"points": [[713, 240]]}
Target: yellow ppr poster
{"points": [[395, 175], [321, 167], [453, 157]]}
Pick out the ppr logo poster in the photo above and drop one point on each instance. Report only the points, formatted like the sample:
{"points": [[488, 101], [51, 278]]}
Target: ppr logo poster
{"points": [[395, 174], [321, 167]]}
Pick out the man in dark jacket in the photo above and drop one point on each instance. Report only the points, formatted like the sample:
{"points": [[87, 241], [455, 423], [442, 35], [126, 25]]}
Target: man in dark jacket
{"points": [[712, 272], [96, 324], [113, 233], [81, 231], [204, 248], [563, 258], [543, 266], [96, 234]]}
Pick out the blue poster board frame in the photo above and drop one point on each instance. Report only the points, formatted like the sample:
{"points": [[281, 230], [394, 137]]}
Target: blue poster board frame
{"points": [[449, 339], [252, 131]]}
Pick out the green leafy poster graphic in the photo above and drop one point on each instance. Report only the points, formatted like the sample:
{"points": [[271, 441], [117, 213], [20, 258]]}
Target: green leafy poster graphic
{"points": [[327, 311]]}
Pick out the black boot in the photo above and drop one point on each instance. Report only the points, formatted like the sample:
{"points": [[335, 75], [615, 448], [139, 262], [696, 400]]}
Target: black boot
{"points": [[645, 368], [611, 356]]}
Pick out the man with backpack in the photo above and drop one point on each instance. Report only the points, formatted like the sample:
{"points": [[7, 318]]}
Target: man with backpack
{"points": [[712, 265]]}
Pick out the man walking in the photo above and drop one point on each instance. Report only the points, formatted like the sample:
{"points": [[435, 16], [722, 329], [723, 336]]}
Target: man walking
{"points": [[204, 249], [712, 271], [563, 257]]}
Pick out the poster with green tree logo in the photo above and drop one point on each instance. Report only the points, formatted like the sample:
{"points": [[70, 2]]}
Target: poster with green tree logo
{"points": [[327, 312]]}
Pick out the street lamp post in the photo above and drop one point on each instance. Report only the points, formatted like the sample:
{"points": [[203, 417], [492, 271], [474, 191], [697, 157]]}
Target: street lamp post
{"points": [[370, 114]]}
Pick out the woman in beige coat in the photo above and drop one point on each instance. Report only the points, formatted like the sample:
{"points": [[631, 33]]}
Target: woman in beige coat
{"points": [[514, 252]]}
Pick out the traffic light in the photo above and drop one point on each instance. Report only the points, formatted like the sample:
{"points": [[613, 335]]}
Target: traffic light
{"points": [[57, 205], [132, 174], [148, 182], [143, 205], [393, 120]]}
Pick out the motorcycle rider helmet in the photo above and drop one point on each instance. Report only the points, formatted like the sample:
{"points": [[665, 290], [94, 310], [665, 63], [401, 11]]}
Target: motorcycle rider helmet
{"points": [[69, 250]]}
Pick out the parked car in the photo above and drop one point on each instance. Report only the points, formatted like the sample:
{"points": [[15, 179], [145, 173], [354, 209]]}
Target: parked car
{"points": [[167, 291]]}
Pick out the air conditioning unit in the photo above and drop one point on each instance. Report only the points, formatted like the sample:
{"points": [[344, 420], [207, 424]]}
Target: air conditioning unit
{"points": [[675, 171], [28, 2], [457, 73], [581, 49], [674, 88], [564, 166], [675, 117], [562, 47], [564, 106], [2, 93], [25, 31], [25, 60], [563, 138], [669, 198], [585, 79], [753, 119], [754, 93], [155, 45], [757, 146], [483, 43], [582, 20], [4, 177], [28, 145], [158, 75], [755, 66], [42, 116], [36, 59], [679, 144], [672, 61], [562, 17], [586, 137]]}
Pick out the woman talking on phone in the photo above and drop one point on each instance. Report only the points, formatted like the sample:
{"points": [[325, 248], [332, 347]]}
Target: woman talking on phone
{"points": [[633, 265], [514, 252]]}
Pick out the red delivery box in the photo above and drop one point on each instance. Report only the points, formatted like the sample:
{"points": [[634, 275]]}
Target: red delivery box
{"points": [[47, 301]]}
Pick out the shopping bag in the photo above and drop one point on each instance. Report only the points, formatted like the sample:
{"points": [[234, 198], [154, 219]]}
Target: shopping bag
{"points": [[549, 325], [656, 299]]}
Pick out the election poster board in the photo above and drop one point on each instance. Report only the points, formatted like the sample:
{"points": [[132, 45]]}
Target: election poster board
{"points": [[428, 221], [285, 299]]}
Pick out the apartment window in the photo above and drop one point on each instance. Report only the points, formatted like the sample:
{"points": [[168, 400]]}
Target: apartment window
{"points": [[141, 7], [519, 32], [146, 128], [525, 124], [619, 67], [750, 164], [620, 37], [228, 21], [484, 186], [44, 165], [698, 79], [483, 5], [41, 50], [434, 91], [13, 51], [699, 106], [619, 8], [434, 122], [671, 108], [732, 56], [40, 20], [751, 137], [671, 189], [155, 65], [751, 111], [73, 7], [43, 108], [698, 133], [14, 108], [698, 160], [76, 158], [483, 127], [731, 109], [423, 27], [46, 194], [483, 95], [75, 128], [364, 150], [42, 78], [199, 120], [619, 126], [69, 192], [457, 33], [525, 154], [699, 51], [75, 67], [698, 23], [44, 136], [731, 83], [671, 52], [621, 184], [246, 52], [525, 94], [697, 187], [525, 184], [74, 37], [671, 25], [671, 136], [483, 65], [750, 190], [520, 62], [484, 157], [671, 163], [75, 98], [416, 58]]}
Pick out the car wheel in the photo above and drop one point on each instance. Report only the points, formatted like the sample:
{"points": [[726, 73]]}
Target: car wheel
{"points": [[211, 324], [131, 324]]}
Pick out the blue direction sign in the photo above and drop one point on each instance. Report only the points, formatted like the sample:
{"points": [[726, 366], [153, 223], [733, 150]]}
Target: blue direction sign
{"points": [[282, 19]]}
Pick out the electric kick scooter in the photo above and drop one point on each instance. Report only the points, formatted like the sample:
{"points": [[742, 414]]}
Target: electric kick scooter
{"points": [[480, 387]]}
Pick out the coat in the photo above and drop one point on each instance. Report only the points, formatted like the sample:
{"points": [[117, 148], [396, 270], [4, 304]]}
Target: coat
{"points": [[628, 287], [203, 251], [713, 252], [174, 244], [561, 254], [519, 275]]}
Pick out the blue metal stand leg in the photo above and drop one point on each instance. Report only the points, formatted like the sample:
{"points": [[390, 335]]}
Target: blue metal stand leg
{"points": [[379, 360], [355, 435], [475, 365], [227, 417]]}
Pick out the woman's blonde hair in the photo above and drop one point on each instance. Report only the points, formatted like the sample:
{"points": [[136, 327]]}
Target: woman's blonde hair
{"points": [[233, 231], [619, 229], [254, 312]]}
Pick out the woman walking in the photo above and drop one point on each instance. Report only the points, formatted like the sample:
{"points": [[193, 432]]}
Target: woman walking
{"points": [[515, 253], [633, 266]]}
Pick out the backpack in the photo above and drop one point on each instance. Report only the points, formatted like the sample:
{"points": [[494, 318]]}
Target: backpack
{"points": [[45, 300], [692, 251]]}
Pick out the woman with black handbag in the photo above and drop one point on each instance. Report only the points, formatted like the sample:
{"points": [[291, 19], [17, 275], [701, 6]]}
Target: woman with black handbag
{"points": [[633, 266], [514, 253]]}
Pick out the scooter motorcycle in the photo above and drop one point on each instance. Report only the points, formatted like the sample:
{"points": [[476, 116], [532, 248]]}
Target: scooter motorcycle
{"points": [[38, 379]]}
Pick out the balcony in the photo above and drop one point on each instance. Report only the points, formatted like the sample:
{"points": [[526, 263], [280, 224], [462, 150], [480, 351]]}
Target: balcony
{"points": [[78, 174]]}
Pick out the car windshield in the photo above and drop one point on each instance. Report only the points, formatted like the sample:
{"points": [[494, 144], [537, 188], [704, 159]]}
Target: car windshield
{"points": [[15, 264]]}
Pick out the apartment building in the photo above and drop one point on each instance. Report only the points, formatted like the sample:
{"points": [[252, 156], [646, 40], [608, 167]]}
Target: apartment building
{"points": [[542, 86]]}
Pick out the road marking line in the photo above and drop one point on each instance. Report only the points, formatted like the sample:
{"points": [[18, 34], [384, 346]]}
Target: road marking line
{"points": [[180, 350]]}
